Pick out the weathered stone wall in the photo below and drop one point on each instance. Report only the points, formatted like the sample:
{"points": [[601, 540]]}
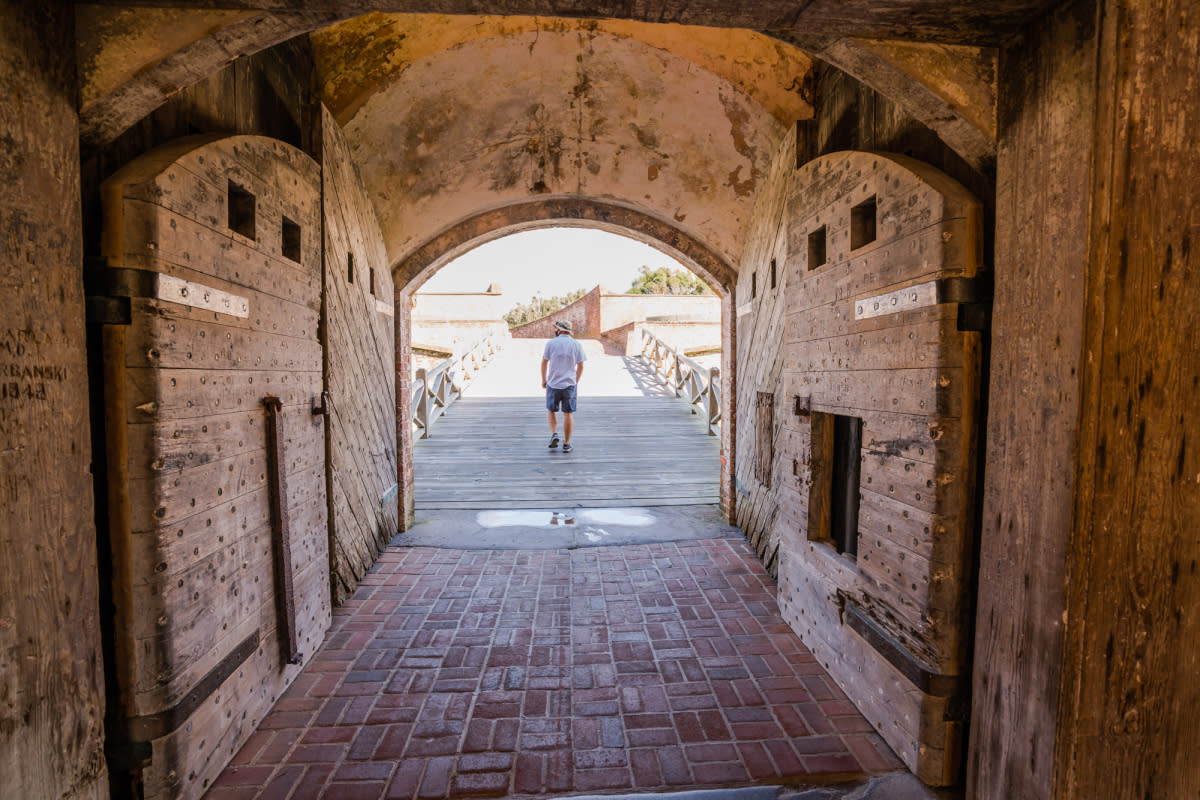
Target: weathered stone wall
{"points": [[583, 314], [51, 681], [359, 338]]}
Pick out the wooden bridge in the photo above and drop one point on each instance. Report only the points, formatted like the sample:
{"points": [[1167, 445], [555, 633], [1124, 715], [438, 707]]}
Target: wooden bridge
{"points": [[636, 444]]}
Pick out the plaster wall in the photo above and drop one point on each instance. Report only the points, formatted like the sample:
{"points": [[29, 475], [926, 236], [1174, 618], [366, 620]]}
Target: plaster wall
{"points": [[431, 307], [684, 337], [765, 68], [499, 120], [617, 309]]}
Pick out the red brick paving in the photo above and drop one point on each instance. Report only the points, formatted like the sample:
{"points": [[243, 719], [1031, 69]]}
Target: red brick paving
{"points": [[453, 673]]}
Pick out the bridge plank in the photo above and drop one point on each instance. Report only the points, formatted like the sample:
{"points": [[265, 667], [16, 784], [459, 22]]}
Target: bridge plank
{"points": [[634, 445]]}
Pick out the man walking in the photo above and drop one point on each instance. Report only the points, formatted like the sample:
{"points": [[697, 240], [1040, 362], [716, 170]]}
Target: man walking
{"points": [[562, 367]]}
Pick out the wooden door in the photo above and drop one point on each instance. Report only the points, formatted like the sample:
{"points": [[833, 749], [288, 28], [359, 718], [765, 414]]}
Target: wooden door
{"points": [[216, 461], [881, 378]]}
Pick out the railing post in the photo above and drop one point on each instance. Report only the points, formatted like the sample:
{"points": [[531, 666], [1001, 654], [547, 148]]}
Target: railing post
{"points": [[712, 405], [423, 404], [682, 374], [440, 387]]}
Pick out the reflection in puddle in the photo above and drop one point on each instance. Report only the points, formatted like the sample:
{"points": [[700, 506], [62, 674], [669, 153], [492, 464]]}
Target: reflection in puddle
{"points": [[539, 518], [524, 518], [616, 516]]}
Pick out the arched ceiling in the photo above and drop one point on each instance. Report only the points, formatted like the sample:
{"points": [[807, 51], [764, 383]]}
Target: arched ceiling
{"points": [[453, 115], [568, 108], [133, 54], [357, 57]]}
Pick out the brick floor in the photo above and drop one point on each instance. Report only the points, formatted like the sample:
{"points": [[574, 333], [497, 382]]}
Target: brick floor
{"points": [[453, 673]]}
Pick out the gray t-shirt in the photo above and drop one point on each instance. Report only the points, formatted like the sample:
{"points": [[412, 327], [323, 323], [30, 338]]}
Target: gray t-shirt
{"points": [[563, 353]]}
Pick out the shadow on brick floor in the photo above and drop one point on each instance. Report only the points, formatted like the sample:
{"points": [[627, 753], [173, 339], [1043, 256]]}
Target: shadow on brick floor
{"points": [[641, 668]]}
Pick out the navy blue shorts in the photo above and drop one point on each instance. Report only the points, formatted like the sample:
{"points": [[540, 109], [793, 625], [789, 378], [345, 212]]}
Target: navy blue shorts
{"points": [[564, 397]]}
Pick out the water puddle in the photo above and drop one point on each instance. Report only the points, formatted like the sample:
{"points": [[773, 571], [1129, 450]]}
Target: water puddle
{"points": [[638, 517], [531, 518]]}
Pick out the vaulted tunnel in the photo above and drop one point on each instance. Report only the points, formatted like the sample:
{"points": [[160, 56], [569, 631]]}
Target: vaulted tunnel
{"points": [[948, 239]]}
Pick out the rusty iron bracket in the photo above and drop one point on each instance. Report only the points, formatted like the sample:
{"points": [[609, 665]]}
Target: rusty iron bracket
{"points": [[149, 727], [974, 298], [965, 290], [900, 657], [281, 535], [108, 310], [322, 410]]}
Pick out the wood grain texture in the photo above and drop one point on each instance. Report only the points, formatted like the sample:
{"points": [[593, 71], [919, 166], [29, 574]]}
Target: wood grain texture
{"points": [[760, 322], [1130, 688], [911, 378], [1046, 114], [51, 677], [360, 374], [194, 538]]}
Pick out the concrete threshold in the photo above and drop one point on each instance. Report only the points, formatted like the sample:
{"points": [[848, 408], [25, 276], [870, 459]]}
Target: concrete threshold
{"points": [[567, 527], [894, 786]]}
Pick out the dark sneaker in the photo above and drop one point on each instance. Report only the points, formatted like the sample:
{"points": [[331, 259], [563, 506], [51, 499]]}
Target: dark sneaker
{"points": [[567, 447], [554, 441]]}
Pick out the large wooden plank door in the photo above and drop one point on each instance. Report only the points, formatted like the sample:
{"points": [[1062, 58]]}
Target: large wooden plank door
{"points": [[881, 380], [216, 460]]}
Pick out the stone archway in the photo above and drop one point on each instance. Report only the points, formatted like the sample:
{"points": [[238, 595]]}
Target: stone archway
{"points": [[473, 231]]}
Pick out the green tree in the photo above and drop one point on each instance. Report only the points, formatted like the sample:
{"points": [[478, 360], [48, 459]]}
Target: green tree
{"points": [[667, 281], [539, 307]]}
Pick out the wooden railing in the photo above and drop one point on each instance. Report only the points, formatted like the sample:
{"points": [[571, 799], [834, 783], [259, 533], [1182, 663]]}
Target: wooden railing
{"points": [[700, 386], [435, 390]]}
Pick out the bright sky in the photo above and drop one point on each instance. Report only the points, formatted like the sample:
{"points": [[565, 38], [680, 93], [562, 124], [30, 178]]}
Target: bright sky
{"points": [[552, 261]]}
